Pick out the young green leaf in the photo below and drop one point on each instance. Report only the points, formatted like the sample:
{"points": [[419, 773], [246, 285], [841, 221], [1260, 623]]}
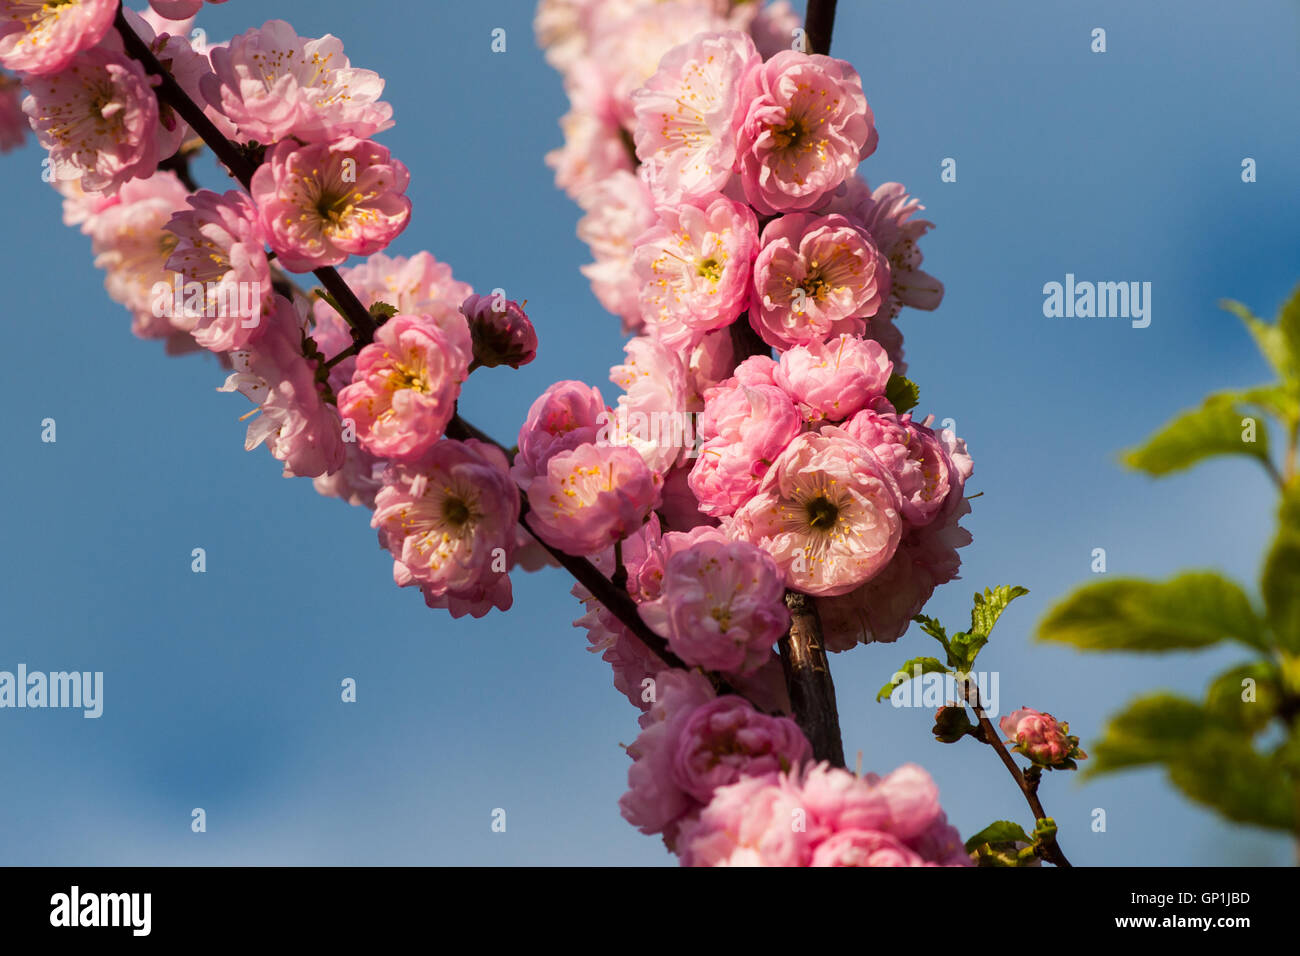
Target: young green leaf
{"points": [[989, 606], [1223, 771], [1268, 337], [1193, 610], [913, 668], [1000, 831], [902, 393], [1151, 729], [1288, 326], [1218, 427], [1280, 582]]}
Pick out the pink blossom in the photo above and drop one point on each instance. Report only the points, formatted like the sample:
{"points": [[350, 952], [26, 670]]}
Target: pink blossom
{"points": [[806, 128], [832, 380], [864, 848], [815, 277], [500, 330], [886, 214], [756, 821], [824, 816], [773, 28], [654, 801], [449, 520], [358, 481], [632, 662], [39, 37], [680, 508], [172, 48], [626, 50], [404, 390], [566, 415], [652, 414], [1040, 737], [296, 423], [618, 209], [590, 497], [131, 246], [273, 84], [827, 510], [727, 739], [98, 117], [178, 9], [221, 244], [722, 606], [694, 267], [320, 204], [883, 608], [420, 285], [745, 427], [915, 456], [688, 113]]}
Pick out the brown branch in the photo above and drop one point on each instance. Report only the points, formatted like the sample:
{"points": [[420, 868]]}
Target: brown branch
{"points": [[808, 679], [1028, 785], [237, 161], [819, 24]]}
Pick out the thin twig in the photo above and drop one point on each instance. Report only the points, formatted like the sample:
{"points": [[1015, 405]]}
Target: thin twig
{"points": [[988, 733]]}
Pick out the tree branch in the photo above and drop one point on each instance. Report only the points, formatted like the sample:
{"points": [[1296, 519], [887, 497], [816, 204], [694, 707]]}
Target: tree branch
{"points": [[1029, 787], [808, 679], [819, 24], [237, 160]]}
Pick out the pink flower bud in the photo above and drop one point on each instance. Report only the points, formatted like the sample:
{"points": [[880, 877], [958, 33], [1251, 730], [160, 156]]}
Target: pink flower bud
{"points": [[1041, 738], [501, 331]]}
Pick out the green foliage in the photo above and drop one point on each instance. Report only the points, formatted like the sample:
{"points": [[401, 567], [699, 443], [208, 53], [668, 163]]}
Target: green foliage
{"points": [[1187, 612], [1237, 751], [1000, 831], [1216, 428], [902, 393], [913, 668], [963, 647], [1280, 582]]}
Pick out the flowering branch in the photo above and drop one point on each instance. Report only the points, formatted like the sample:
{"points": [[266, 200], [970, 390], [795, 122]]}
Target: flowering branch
{"points": [[1027, 782], [364, 326], [241, 167]]}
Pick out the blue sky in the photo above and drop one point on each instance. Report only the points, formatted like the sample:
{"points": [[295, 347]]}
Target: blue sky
{"points": [[222, 688]]}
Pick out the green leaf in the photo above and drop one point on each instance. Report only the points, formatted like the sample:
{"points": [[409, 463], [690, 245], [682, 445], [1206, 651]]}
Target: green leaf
{"points": [[902, 393], [1213, 429], [1151, 729], [1288, 326], [926, 665], [1280, 582], [382, 311], [990, 605], [1223, 771], [1191, 611], [932, 627], [1000, 831], [1247, 696], [1268, 337], [1277, 400]]}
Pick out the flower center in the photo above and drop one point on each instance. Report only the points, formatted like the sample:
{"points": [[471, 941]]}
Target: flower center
{"points": [[455, 511], [710, 269], [792, 135], [408, 376], [822, 513], [334, 208], [723, 616]]}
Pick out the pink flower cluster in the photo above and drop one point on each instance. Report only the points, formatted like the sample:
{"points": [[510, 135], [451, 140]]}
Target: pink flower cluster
{"points": [[1042, 738], [360, 407], [823, 816], [717, 164]]}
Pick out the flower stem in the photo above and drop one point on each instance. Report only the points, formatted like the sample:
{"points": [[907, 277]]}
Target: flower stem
{"points": [[1028, 784]]}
